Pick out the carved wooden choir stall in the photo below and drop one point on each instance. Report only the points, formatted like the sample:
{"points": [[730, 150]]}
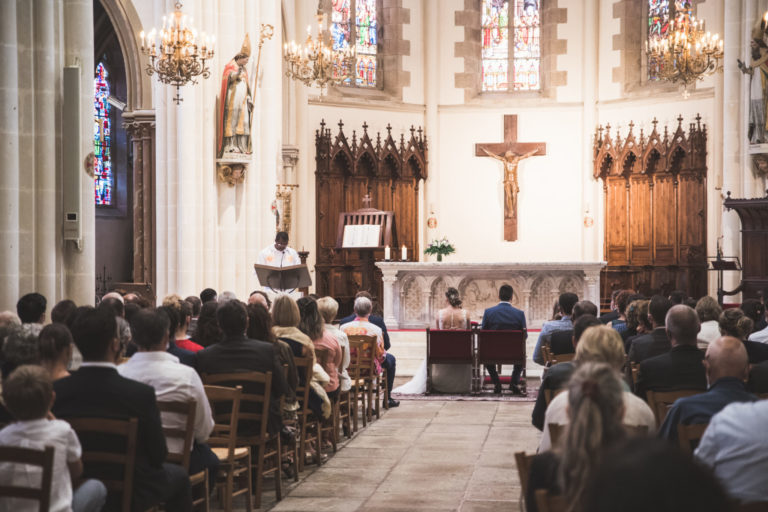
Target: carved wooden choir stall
{"points": [[655, 209], [390, 173]]}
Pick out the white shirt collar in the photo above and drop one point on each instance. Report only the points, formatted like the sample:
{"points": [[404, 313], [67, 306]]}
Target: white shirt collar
{"points": [[98, 364], [154, 355]]}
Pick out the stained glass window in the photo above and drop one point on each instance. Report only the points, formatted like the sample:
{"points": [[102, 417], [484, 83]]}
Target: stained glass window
{"points": [[102, 139], [660, 12], [362, 34], [511, 49]]}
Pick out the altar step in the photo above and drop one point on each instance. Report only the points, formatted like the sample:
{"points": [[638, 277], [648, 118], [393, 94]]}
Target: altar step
{"points": [[410, 349]]}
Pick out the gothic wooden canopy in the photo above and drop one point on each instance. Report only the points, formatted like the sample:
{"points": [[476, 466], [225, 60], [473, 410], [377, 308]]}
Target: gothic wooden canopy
{"points": [[655, 208], [389, 171]]}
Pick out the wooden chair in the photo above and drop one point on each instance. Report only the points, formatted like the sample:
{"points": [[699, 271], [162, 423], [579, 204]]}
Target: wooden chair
{"points": [[550, 394], [448, 347], [254, 412], [557, 430], [362, 369], [634, 369], [523, 462], [328, 428], [661, 401], [502, 347], [42, 458], [123, 460], [235, 460], [758, 506], [186, 436], [689, 436], [546, 502], [309, 432]]}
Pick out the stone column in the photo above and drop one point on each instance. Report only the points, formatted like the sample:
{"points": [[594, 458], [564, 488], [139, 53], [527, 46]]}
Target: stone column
{"points": [[592, 287], [732, 138], [389, 279], [432, 125], [287, 193], [79, 274], [591, 235], [9, 158], [45, 149]]}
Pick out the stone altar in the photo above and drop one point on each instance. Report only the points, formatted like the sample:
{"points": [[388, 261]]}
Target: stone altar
{"points": [[415, 291]]}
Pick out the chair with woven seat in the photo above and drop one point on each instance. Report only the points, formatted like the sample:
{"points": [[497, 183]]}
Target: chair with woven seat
{"points": [[661, 401], [253, 418], [688, 436], [328, 428], [235, 461], [546, 502], [557, 430], [28, 456], [523, 461], [362, 371], [122, 460], [187, 436], [309, 428]]}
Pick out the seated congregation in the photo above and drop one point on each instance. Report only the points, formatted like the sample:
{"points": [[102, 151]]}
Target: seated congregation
{"points": [[150, 408], [685, 372]]}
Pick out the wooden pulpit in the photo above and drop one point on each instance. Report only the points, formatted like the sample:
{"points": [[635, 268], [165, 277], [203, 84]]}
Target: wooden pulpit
{"points": [[364, 231]]}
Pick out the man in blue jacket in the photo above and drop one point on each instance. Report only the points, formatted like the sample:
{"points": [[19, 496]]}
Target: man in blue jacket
{"points": [[504, 316]]}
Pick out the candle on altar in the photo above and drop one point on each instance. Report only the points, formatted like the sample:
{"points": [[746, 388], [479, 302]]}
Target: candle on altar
{"points": [[387, 253], [404, 253]]}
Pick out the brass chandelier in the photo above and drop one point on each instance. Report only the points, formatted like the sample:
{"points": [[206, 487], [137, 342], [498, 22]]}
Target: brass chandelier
{"points": [[180, 54], [687, 53], [316, 62]]}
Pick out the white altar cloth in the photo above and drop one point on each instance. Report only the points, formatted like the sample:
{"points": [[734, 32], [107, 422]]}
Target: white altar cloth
{"points": [[415, 291]]}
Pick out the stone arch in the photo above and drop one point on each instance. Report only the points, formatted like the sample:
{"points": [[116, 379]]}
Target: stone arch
{"points": [[542, 298], [127, 25], [411, 300], [572, 284]]}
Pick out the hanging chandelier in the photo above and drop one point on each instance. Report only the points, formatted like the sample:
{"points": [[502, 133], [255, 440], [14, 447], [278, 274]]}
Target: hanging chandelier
{"points": [[316, 62], [179, 55], [687, 53]]}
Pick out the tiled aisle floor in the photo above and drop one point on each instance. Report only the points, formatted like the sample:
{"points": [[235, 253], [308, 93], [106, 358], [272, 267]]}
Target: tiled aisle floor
{"points": [[425, 455]]}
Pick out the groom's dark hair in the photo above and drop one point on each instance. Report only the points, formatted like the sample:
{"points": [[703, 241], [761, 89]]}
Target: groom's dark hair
{"points": [[505, 292]]}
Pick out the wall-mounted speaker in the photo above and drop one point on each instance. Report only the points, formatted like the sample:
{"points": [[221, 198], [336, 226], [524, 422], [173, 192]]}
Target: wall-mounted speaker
{"points": [[71, 151]]}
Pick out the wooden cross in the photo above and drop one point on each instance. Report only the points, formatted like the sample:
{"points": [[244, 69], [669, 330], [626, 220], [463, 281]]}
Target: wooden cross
{"points": [[510, 153], [366, 201]]}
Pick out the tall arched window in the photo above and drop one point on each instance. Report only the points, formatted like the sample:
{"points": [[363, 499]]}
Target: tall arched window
{"points": [[660, 12], [511, 50], [102, 140], [360, 33]]}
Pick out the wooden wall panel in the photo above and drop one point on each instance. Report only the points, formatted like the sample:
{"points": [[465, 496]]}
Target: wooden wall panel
{"points": [[656, 237], [640, 221], [347, 171]]}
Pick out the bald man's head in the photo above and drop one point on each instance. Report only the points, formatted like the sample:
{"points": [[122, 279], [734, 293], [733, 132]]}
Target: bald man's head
{"points": [[726, 357], [682, 325]]}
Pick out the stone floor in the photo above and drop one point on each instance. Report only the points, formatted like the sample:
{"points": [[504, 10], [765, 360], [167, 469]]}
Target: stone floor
{"points": [[423, 455]]}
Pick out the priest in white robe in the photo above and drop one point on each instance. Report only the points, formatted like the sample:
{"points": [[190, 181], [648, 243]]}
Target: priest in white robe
{"points": [[278, 255]]}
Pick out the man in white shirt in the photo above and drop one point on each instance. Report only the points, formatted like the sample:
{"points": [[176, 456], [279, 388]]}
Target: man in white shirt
{"points": [[173, 382], [278, 255], [734, 446]]}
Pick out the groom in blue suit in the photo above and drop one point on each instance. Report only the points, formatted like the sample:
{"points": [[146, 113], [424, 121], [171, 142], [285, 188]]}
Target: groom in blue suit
{"points": [[504, 316]]}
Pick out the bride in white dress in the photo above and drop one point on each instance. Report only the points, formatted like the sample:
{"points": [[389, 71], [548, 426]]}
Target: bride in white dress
{"points": [[446, 378]]}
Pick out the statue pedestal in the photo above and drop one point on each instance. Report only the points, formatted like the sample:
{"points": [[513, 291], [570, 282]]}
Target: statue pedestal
{"points": [[231, 168]]}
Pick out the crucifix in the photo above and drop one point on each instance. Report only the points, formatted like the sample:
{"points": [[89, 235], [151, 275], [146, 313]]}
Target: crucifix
{"points": [[510, 153]]}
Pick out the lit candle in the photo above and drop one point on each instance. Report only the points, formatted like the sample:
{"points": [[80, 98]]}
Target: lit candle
{"points": [[387, 253], [404, 253]]}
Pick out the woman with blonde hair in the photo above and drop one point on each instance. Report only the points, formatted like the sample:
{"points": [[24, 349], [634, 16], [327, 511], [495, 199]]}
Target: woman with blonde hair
{"points": [[328, 308], [596, 410], [599, 344], [286, 317]]}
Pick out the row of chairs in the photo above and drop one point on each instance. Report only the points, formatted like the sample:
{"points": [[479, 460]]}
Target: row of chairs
{"points": [[246, 455], [475, 347]]}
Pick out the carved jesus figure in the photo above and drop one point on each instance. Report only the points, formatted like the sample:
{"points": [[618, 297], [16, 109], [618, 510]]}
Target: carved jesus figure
{"points": [[511, 188]]}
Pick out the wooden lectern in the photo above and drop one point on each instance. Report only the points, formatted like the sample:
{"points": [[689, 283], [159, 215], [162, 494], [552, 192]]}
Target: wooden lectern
{"points": [[283, 278], [365, 231]]}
